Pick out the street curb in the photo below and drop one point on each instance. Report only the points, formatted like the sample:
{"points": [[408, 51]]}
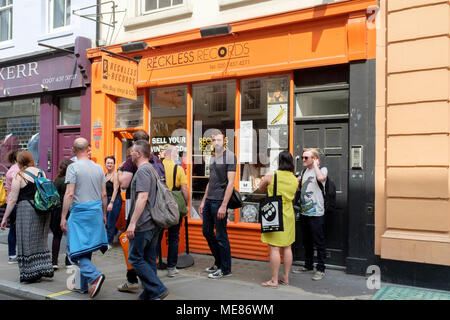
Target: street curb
{"points": [[25, 291]]}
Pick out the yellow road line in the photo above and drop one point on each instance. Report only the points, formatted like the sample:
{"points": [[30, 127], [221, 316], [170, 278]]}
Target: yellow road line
{"points": [[58, 294]]}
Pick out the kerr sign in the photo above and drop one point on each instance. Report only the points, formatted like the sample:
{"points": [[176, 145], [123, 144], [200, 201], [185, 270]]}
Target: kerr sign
{"points": [[119, 77]]}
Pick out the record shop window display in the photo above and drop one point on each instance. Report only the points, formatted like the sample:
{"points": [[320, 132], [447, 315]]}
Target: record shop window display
{"points": [[264, 133]]}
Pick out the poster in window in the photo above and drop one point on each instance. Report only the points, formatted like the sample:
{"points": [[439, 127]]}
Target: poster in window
{"points": [[278, 137], [277, 96], [246, 142], [277, 114]]}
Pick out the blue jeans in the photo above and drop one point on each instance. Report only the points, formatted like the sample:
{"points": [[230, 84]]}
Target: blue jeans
{"points": [[142, 257], [218, 242], [89, 273], [111, 218], [174, 237], [12, 233]]}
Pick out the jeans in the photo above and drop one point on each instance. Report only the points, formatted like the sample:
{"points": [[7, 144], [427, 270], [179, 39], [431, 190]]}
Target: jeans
{"points": [[218, 242], [111, 218], [12, 233], [89, 272], [174, 237], [313, 235], [142, 257]]}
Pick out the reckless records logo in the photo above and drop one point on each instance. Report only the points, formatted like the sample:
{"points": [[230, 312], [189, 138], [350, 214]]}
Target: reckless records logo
{"points": [[204, 55]]}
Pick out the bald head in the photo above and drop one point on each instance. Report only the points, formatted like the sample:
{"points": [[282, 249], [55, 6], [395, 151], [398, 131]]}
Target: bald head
{"points": [[80, 145]]}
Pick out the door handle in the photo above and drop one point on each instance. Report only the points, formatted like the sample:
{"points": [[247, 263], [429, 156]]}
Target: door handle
{"points": [[296, 165]]}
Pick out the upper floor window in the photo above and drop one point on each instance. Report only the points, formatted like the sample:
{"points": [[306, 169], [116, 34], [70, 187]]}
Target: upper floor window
{"points": [[152, 5], [59, 14], [6, 19]]}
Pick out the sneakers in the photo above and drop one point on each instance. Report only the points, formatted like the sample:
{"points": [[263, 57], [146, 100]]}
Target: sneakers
{"points": [[96, 286], [163, 296], [12, 260], [79, 291], [55, 267], [318, 276], [171, 272], [302, 270], [212, 269], [128, 287], [219, 274]]}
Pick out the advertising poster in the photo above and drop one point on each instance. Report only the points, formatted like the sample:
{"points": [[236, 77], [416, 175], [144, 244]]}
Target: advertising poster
{"points": [[277, 114]]}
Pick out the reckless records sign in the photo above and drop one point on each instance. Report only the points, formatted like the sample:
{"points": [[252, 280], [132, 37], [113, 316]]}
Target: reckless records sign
{"points": [[119, 77]]}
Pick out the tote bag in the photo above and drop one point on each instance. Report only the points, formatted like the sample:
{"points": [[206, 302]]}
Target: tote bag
{"points": [[271, 211]]}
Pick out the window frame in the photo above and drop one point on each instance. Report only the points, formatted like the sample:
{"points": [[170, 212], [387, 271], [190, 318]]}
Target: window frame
{"points": [[51, 19], [145, 12], [9, 7]]}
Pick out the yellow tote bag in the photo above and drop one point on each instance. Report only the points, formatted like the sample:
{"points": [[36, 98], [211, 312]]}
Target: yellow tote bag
{"points": [[2, 193]]}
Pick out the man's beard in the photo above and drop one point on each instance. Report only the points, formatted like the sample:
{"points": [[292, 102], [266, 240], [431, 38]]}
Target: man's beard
{"points": [[218, 149]]}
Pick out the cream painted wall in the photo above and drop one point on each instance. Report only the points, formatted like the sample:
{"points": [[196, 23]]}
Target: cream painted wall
{"points": [[132, 25], [412, 181]]}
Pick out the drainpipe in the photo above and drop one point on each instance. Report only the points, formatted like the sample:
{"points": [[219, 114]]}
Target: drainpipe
{"points": [[97, 31]]}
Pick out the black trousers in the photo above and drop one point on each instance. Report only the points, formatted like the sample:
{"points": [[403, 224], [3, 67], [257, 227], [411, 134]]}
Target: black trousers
{"points": [[313, 234]]}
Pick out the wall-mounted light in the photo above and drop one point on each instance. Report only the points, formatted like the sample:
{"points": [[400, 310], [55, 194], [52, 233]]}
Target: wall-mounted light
{"points": [[215, 30], [44, 87], [134, 46]]}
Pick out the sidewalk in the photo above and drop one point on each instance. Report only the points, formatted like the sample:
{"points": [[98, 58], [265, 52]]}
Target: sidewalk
{"points": [[191, 283]]}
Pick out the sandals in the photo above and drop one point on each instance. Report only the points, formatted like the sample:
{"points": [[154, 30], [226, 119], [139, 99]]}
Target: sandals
{"points": [[268, 284], [283, 283]]}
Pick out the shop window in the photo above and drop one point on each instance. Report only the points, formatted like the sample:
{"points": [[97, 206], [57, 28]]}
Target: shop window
{"points": [[322, 103], [69, 111], [264, 133], [6, 17], [152, 5], [19, 128], [129, 113], [213, 108], [168, 120], [59, 13]]}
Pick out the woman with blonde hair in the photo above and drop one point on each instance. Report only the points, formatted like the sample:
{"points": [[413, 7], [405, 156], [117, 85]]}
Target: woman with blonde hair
{"points": [[33, 256]]}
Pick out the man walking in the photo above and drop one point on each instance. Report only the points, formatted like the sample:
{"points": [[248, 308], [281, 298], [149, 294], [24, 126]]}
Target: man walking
{"points": [[142, 232], [86, 197], [180, 184], [214, 206], [312, 213]]}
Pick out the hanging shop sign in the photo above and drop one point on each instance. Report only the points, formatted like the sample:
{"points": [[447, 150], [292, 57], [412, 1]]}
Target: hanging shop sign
{"points": [[119, 77]]}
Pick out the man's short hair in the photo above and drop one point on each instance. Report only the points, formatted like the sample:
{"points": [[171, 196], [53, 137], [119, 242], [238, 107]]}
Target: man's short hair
{"points": [[143, 147], [215, 132], [80, 144], [140, 135], [314, 152]]}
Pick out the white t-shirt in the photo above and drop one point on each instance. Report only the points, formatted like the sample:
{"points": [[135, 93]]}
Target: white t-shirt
{"points": [[311, 199]]}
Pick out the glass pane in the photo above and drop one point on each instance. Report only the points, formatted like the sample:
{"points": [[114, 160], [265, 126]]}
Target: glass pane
{"points": [[67, 12], [130, 113], [70, 111], [164, 3], [151, 5], [177, 2], [3, 3], [19, 127], [168, 120], [4, 25], [213, 108], [263, 135], [322, 103], [58, 13]]}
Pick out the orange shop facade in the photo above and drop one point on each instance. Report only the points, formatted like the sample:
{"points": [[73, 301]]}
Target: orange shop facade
{"points": [[273, 83]]}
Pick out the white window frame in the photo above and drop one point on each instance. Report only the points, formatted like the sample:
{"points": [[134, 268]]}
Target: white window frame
{"points": [[51, 17], [144, 12], [9, 7]]}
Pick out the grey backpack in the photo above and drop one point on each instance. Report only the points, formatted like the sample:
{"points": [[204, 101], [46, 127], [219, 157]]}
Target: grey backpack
{"points": [[165, 212]]}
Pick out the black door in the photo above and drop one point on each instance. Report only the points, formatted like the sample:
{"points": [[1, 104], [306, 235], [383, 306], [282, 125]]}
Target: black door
{"points": [[331, 138]]}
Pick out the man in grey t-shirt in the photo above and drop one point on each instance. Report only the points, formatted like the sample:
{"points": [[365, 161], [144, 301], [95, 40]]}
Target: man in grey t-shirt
{"points": [[142, 231], [86, 197]]}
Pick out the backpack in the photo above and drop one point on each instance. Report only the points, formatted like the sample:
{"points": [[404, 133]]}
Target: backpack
{"points": [[329, 193], [165, 212], [178, 195], [46, 198]]}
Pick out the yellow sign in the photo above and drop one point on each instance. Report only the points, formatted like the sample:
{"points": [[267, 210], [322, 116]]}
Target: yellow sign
{"points": [[119, 77]]}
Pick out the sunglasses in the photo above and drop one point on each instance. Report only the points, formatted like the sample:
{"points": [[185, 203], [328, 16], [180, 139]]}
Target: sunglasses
{"points": [[305, 158]]}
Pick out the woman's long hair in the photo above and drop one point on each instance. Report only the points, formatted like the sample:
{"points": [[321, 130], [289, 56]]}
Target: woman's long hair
{"points": [[63, 168], [24, 161]]}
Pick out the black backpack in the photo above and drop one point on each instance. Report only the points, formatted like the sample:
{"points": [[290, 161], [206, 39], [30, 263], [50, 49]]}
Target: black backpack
{"points": [[329, 193]]}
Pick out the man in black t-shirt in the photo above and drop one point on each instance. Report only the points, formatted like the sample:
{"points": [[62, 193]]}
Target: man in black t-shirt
{"points": [[214, 206]]}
